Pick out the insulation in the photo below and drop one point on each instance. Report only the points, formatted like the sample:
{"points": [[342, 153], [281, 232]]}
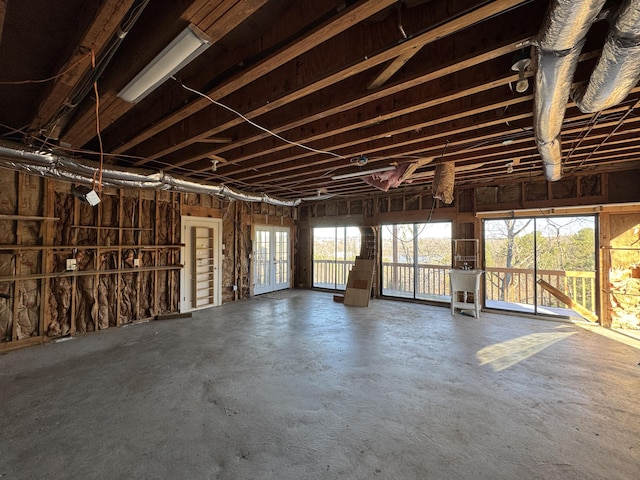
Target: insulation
{"points": [[8, 205], [60, 286], [618, 68], [560, 41], [86, 303], [48, 164], [567, 23], [389, 179], [443, 182], [103, 240]]}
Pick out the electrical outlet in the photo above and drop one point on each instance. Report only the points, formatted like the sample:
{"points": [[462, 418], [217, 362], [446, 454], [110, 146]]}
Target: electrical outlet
{"points": [[235, 288], [136, 262], [72, 264]]}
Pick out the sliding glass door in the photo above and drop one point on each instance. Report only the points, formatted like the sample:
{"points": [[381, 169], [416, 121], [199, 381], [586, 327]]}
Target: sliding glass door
{"points": [[542, 265], [334, 253], [415, 260]]}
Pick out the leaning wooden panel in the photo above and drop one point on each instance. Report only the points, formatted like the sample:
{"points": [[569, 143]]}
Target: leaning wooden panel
{"points": [[359, 283]]}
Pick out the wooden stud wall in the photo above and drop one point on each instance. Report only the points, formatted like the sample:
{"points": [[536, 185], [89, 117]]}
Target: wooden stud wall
{"points": [[44, 239], [586, 190]]}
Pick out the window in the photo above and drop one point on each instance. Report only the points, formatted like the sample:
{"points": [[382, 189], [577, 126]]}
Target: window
{"points": [[529, 258], [334, 253], [416, 258]]}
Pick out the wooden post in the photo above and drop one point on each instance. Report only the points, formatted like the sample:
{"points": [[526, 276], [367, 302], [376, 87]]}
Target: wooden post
{"points": [[119, 258], [156, 254], [76, 221], [97, 266], [47, 256], [171, 293], [137, 242], [16, 292], [604, 298]]}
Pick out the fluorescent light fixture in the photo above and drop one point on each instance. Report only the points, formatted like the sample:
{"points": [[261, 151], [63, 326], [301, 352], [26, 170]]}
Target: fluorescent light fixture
{"points": [[363, 173], [182, 50]]}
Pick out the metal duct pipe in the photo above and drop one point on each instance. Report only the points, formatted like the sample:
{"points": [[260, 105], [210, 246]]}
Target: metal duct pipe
{"points": [[551, 153], [553, 86], [50, 165], [618, 68], [559, 44]]}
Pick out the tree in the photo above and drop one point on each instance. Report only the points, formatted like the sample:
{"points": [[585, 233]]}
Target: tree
{"points": [[510, 247]]}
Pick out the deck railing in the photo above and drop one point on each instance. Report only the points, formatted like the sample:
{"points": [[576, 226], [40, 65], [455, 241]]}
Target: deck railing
{"points": [[513, 285], [517, 285], [331, 273], [433, 280]]}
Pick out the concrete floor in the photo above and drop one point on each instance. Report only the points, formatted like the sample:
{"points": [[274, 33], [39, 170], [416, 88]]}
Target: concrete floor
{"points": [[294, 386]]}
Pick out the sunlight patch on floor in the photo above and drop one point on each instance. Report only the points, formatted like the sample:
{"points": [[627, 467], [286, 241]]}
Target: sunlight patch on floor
{"points": [[506, 354], [612, 334]]}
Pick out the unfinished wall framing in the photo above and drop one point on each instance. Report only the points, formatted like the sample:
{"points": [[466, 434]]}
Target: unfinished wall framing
{"points": [[238, 221], [68, 268], [618, 224]]}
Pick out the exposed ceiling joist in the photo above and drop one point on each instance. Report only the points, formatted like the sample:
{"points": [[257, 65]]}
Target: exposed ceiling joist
{"points": [[301, 75], [82, 130], [353, 67], [343, 20], [3, 12], [102, 29]]}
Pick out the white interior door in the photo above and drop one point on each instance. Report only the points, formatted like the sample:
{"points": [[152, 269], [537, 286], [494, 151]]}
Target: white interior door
{"points": [[201, 276], [271, 259]]}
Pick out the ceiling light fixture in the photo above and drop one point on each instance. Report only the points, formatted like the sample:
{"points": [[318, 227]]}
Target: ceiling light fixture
{"points": [[182, 50], [521, 66], [363, 173]]}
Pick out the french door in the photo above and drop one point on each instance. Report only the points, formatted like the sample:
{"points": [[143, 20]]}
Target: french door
{"points": [[271, 259]]}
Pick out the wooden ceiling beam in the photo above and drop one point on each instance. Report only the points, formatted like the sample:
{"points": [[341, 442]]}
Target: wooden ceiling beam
{"points": [[221, 63], [445, 119], [350, 123], [342, 21], [101, 30], [488, 171], [338, 142], [473, 133], [412, 146], [393, 67], [83, 128], [198, 126], [339, 98], [3, 14]]}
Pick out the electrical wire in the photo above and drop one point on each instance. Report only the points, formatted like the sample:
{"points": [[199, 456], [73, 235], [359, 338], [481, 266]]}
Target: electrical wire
{"points": [[260, 127], [45, 80], [582, 135], [424, 225], [95, 89], [127, 158], [604, 140]]}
